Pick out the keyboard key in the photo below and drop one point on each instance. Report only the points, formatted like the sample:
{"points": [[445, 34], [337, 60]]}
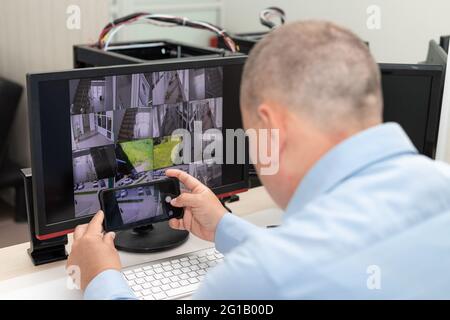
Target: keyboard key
{"points": [[211, 258], [139, 281], [184, 259], [149, 272], [146, 292], [176, 266], [167, 263], [165, 287], [137, 288], [185, 264], [160, 295], [202, 259], [185, 269], [159, 270], [167, 274], [175, 261], [158, 276], [203, 265], [175, 285], [168, 268], [127, 272], [218, 255], [147, 268], [195, 268], [184, 276], [131, 283], [184, 282], [138, 270], [201, 272], [158, 265], [193, 280], [200, 278], [182, 290], [156, 289], [130, 276], [165, 281], [176, 272], [192, 274], [147, 285], [156, 283], [149, 278], [174, 278]]}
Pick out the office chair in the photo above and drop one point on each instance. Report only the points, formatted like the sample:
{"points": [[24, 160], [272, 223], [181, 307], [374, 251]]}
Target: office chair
{"points": [[10, 176]]}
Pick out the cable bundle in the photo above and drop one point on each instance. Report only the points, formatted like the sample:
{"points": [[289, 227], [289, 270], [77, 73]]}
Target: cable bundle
{"points": [[161, 20]]}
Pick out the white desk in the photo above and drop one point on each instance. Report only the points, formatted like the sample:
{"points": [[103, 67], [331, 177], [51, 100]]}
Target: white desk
{"points": [[19, 279]]}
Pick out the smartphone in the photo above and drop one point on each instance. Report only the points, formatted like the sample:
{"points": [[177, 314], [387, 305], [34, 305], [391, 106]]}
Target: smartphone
{"points": [[139, 205]]}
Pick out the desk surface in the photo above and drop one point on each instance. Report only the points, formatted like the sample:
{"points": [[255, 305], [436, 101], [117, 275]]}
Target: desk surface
{"points": [[20, 279]]}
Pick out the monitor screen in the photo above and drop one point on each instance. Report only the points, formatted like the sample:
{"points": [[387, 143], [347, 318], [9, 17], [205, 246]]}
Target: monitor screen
{"points": [[94, 129], [412, 97]]}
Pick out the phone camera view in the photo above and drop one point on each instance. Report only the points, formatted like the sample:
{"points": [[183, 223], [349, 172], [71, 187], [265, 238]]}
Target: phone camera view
{"points": [[139, 205], [122, 127]]}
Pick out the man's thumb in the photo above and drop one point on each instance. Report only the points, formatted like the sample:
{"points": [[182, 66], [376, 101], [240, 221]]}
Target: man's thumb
{"points": [[109, 238]]}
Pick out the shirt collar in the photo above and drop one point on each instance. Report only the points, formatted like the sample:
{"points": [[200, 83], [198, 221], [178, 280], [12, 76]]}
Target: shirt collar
{"points": [[348, 157]]}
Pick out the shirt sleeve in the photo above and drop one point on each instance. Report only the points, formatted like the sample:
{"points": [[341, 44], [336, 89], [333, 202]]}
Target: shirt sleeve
{"points": [[231, 231], [108, 285]]}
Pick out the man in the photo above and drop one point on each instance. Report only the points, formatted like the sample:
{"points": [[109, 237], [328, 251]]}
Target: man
{"points": [[363, 211]]}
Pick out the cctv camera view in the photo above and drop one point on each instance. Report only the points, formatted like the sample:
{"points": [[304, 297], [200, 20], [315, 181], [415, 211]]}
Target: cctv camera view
{"points": [[121, 128], [132, 205]]}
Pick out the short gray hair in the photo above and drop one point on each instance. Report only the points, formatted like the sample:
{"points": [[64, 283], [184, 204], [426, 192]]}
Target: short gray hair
{"points": [[317, 68]]}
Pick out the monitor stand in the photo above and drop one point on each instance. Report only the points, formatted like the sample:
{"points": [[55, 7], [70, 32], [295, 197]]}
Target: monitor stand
{"points": [[152, 238]]}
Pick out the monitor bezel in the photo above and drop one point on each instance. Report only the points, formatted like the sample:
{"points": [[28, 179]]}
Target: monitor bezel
{"points": [[436, 72], [46, 230]]}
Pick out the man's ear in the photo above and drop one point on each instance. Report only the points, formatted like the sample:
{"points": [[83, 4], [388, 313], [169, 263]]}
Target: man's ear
{"points": [[274, 116]]}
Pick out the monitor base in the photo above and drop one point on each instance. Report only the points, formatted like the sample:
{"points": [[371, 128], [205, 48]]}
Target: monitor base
{"points": [[153, 238]]}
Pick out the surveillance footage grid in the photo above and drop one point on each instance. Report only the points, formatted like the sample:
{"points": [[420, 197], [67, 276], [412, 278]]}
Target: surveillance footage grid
{"points": [[121, 129]]}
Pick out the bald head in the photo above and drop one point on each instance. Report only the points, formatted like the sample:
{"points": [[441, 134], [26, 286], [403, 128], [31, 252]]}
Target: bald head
{"points": [[318, 69]]}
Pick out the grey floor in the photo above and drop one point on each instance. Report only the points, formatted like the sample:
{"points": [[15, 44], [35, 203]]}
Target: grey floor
{"points": [[11, 232]]}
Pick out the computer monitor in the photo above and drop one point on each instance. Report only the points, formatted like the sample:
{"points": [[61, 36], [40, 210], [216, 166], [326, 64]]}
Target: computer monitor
{"points": [[412, 98], [103, 127], [436, 54], [444, 42]]}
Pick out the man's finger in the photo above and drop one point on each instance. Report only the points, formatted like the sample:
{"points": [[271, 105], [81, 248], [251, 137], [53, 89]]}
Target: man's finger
{"points": [[185, 200], [175, 224], [79, 231], [95, 226], [189, 181], [109, 238], [187, 220]]}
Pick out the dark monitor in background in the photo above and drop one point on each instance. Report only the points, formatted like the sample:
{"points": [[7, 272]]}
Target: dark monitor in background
{"points": [[444, 42], [98, 128], [413, 98], [436, 54]]}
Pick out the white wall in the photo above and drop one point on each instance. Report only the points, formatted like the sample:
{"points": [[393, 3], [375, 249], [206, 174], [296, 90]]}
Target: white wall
{"points": [[34, 38], [406, 25]]}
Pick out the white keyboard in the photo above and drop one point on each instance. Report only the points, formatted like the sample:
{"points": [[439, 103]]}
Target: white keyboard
{"points": [[171, 278]]}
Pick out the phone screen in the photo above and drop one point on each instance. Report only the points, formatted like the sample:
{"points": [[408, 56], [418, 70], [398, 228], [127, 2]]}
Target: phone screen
{"points": [[140, 205]]}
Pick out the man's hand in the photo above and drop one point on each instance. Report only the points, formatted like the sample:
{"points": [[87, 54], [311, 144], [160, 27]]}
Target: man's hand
{"points": [[92, 251], [202, 208]]}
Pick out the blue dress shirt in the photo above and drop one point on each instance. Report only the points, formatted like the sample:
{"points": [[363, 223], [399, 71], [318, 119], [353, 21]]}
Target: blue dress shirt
{"points": [[370, 220]]}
